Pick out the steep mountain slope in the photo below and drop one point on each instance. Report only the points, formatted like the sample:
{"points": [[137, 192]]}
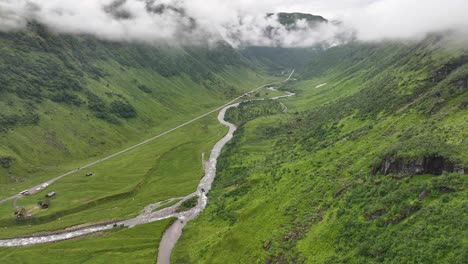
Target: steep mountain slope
{"points": [[368, 166], [275, 59], [68, 98]]}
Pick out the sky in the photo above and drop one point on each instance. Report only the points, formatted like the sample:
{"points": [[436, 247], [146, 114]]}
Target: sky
{"points": [[240, 22]]}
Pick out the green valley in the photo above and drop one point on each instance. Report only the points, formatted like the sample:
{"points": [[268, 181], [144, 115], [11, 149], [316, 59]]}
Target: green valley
{"points": [[302, 187], [230, 135]]}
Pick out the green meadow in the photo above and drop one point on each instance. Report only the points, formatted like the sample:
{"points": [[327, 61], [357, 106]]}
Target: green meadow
{"points": [[134, 245], [121, 187]]}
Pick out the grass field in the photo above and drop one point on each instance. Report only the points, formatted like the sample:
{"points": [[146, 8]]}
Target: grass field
{"points": [[121, 187], [135, 245]]}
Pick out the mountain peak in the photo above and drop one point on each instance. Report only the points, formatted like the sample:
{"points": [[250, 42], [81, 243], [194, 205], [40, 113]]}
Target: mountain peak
{"points": [[290, 19]]}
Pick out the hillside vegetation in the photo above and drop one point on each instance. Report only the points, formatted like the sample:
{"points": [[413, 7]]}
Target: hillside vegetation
{"points": [[67, 99], [368, 165]]}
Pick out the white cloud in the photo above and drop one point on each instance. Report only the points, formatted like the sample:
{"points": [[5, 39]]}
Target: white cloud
{"points": [[240, 21], [408, 19]]}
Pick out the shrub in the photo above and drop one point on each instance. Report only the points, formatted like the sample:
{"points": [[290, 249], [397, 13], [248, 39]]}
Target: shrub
{"points": [[123, 109], [6, 162]]}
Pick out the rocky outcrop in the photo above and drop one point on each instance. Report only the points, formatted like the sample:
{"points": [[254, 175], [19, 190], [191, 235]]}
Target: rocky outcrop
{"points": [[448, 68], [374, 215], [425, 165]]}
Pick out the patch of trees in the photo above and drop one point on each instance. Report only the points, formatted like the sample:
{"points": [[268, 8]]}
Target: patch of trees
{"points": [[250, 110], [188, 204], [118, 108], [66, 97], [123, 109], [13, 120], [6, 162], [145, 88]]}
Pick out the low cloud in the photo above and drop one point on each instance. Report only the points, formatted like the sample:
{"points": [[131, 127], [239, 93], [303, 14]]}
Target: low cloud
{"points": [[242, 22], [408, 19]]}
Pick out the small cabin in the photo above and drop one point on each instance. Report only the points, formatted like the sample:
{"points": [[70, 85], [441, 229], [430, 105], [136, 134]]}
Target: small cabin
{"points": [[50, 195], [89, 174]]}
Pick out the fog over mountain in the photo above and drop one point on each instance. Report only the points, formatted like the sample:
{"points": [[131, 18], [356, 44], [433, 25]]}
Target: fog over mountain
{"points": [[239, 22]]}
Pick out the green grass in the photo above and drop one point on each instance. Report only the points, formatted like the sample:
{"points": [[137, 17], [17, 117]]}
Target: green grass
{"points": [[165, 168], [166, 86], [188, 204], [69, 137], [135, 245], [298, 187]]}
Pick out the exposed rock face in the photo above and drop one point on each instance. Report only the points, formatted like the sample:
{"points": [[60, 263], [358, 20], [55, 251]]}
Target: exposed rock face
{"points": [[374, 215], [448, 68], [425, 165]]}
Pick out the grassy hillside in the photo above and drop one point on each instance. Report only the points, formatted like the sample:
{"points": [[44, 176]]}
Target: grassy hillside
{"points": [[307, 186], [275, 60], [69, 99]]}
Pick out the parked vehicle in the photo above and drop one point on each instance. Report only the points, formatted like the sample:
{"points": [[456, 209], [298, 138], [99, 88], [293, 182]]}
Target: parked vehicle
{"points": [[50, 195], [25, 192]]}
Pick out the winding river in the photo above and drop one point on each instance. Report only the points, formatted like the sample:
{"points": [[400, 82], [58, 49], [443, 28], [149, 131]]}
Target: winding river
{"points": [[151, 213], [174, 232]]}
